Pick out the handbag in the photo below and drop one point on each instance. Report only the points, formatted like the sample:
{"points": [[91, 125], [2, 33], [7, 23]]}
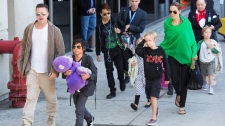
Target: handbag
{"points": [[129, 41], [195, 81]]}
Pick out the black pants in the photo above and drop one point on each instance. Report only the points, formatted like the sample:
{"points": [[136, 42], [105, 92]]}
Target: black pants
{"points": [[179, 74], [116, 58], [126, 55]]}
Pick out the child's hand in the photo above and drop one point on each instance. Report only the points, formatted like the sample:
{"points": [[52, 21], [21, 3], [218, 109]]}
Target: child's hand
{"points": [[67, 73], [167, 82], [85, 76], [210, 46], [133, 64]]}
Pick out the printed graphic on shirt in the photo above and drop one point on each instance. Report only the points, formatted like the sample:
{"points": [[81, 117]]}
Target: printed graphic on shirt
{"points": [[156, 59]]}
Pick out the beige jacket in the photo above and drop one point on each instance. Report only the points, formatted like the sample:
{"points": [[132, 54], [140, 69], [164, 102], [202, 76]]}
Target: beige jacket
{"points": [[55, 48]]}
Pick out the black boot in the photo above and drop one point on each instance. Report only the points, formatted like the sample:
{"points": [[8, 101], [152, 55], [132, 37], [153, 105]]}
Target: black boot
{"points": [[170, 89], [111, 95], [122, 86]]}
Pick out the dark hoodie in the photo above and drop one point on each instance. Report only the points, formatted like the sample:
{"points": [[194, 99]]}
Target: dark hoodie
{"points": [[153, 60]]}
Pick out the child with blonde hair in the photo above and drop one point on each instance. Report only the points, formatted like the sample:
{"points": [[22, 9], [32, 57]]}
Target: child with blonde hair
{"points": [[208, 48], [139, 80], [153, 57]]}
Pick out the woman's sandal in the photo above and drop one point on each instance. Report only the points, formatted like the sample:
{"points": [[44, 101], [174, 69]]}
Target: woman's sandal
{"points": [[134, 106], [148, 104], [177, 103], [182, 112]]}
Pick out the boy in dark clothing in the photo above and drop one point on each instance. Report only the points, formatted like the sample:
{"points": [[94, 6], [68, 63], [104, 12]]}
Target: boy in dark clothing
{"points": [[80, 97], [109, 44], [153, 57]]}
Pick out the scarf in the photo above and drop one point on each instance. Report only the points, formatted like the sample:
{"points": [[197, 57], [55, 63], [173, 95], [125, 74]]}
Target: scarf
{"points": [[179, 41], [201, 17]]}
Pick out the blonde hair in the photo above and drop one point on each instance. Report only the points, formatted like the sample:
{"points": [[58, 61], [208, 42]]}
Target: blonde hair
{"points": [[206, 28], [152, 34]]}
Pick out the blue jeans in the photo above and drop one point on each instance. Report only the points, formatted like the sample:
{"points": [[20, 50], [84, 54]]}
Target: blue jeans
{"points": [[88, 24]]}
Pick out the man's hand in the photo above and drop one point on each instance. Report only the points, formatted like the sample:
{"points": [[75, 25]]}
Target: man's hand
{"points": [[127, 27], [117, 30], [52, 76], [91, 11]]}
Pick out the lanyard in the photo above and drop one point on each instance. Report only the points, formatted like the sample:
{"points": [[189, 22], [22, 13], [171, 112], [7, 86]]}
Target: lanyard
{"points": [[131, 18]]}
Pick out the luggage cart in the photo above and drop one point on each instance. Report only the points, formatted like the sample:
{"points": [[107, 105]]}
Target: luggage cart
{"points": [[221, 30]]}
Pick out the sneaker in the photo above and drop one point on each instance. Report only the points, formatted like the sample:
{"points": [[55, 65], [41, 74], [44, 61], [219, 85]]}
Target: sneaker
{"points": [[205, 86], [122, 86], [51, 121], [211, 90], [152, 122], [127, 80], [170, 93], [111, 95], [157, 112], [91, 123], [26, 122], [88, 50]]}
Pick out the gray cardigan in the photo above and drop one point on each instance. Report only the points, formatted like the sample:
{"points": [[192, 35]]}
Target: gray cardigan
{"points": [[55, 48]]}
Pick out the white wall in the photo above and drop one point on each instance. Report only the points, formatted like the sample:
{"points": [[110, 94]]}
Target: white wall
{"points": [[15, 15], [4, 58]]}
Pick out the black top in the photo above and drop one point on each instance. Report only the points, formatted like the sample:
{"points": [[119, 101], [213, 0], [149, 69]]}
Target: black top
{"points": [[83, 6], [153, 60]]}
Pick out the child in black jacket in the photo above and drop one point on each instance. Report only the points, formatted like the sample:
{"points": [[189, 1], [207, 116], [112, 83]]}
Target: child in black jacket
{"points": [[153, 57]]}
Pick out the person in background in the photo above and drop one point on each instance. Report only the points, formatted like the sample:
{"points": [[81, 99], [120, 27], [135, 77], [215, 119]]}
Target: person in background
{"points": [[80, 97], [181, 49], [153, 57], [42, 42], [202, 17], [131, 20], [109, 44], [209, 4], [86, 10]]}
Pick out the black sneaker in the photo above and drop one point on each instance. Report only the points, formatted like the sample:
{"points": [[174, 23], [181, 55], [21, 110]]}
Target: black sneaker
{"points": [[91, 123], [111, 95], [127, 80], [169, 92], [122, 86], [89, 50]]}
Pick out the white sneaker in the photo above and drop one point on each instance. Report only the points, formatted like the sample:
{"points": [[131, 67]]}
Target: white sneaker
{"points": [[205, 86], [26, 122], [211, 90], [51, 121]]}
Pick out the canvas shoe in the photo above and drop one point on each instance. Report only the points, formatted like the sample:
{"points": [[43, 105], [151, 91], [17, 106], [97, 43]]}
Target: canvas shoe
{"points": [[91, 123], [205, 86], [26, 122], [152, 122], [211, 90], [51, 121]]}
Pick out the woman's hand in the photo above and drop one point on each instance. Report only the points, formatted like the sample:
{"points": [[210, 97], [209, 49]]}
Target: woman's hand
{"points": [[68, 72], [167, 82], [98, 58], [85, 76]]}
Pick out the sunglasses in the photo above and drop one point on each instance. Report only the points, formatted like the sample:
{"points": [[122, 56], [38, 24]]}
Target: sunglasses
{"points": [[175, 12], [106, 14], [39, 14], [78, 47]]}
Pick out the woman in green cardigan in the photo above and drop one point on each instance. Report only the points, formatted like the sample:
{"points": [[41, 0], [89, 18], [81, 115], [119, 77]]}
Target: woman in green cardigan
{"points": [[181, 49]]}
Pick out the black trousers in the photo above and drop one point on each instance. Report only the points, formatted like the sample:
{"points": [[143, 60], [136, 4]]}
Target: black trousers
{"points": [[126, 55], [116, 58], [179, 76]]}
